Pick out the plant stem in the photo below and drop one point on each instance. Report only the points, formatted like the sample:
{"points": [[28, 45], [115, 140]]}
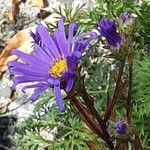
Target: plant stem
{"points": [[91, 124], [82, 112], [116, 93], [129, 97], [95, 114]]}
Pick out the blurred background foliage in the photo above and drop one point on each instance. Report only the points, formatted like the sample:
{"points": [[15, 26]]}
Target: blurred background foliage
{"points": [[72, 134]]}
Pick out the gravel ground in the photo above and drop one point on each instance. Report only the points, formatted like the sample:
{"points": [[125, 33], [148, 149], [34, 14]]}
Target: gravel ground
{"points": [[28, 16]]}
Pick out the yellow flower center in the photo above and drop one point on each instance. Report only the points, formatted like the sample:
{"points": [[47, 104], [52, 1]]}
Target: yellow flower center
{"points": [[58, 67]]}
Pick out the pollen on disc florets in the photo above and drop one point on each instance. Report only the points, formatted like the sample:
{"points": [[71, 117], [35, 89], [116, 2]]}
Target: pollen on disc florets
{"points": [[58, 67]]}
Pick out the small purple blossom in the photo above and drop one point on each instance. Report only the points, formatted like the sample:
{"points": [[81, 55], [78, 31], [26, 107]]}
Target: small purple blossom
{"points": [[121, 127], [126, 18], [107, 28], [52, 62]]}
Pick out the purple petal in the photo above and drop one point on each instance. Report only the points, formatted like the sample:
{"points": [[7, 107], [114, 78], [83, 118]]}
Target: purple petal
{"points": [[38, 92], [59, 99], [108, 30], [77, 54], [29, 59], [35, 37], [27, 72], [70, 83], [23, 66], [80, 46], [87, 34], [121, 127], [50, 81], [82, 42], [24, 79], [61, 29], [60, 38], [125, 17], [72, 62], [42, 54], [48, 41], [72, 27], [61, 44], [34, 86]]}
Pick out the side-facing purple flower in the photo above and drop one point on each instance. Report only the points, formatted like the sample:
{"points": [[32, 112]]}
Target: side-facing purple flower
{"points": [[52, 62], [107, 28], [121, 127], [126, 18]]}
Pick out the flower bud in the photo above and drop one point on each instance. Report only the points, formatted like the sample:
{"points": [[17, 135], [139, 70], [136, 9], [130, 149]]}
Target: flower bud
{"points": [[121, 127]]}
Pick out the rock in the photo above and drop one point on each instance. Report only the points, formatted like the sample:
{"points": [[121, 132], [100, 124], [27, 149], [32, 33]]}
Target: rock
{"points": [[3, 109], [4, 102], [65, 1], [5, 92], [6, 132], [48, 135]]}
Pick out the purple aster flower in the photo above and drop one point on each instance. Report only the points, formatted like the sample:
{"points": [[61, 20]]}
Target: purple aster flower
{"points": [[121, 127], [107, 28], [52, 62], [126, 18]]}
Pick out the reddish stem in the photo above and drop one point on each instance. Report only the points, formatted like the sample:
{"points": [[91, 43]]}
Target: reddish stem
{"points": [[116, 93], [81, 111], [129, 97]]}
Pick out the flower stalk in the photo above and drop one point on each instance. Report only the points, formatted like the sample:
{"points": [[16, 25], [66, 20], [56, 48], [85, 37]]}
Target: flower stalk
{"points": [[129, 97], [116, 93], [89, 115]]}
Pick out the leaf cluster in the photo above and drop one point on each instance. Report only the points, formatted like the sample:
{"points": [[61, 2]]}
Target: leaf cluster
{"points": [[67, 130], [141, 114]]}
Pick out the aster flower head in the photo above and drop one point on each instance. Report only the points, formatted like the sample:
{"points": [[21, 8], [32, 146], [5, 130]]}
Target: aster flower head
{"points": [[53, 61], [121, 127], [107, 28], [126, 18]]}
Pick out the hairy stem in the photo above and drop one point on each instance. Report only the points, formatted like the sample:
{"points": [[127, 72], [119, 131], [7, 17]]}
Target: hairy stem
{"points": [[91, 124], [94, 112], [82, 113], [129, 97], [115, 95]]}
